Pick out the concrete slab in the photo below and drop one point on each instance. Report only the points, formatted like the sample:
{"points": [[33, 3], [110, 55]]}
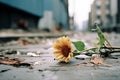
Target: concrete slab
{"points": [[46, 68]]}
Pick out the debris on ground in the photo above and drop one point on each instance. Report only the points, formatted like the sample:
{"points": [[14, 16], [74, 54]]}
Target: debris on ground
{"points": [[37, 63], [5, 70], [96, 61], [23, 41], [82, 57], [32, 54], [7, 51], [13, 61], [26, 41]]}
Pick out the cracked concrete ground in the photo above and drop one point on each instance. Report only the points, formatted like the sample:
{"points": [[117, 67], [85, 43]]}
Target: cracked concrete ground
{"points": [[46, 68]]}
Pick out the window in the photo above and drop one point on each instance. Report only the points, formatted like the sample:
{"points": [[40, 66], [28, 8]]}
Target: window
{"points": [[98, 7], [107, 2], [108, 16], [98, 17], [108, 6], [98, 2], [107, 11]]}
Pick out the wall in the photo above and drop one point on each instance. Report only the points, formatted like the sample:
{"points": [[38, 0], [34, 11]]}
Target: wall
{"points": [[31, 6], [58, 9], [36, 8], [9, 17]]}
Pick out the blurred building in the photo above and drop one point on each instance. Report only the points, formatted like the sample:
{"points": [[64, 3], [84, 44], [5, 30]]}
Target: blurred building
{"points": [[85, 25], [29, 12], [117, 21], [106, 13], [100, 13]]}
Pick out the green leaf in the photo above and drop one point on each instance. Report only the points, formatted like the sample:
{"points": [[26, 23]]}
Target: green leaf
{"points": [[79, 45], [101, 37], [75, 53]]}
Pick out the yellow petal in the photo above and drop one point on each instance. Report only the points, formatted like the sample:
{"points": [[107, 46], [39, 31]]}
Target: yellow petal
{"points": [[71, 55], [59, 57], [67, 59], [58, 51], [63, 59]]}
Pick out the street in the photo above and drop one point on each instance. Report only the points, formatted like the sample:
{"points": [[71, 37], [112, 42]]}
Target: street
{"points": [[44, 67]]}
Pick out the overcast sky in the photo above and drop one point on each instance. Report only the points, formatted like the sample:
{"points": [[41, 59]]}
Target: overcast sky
{"points": [[80, 10]]}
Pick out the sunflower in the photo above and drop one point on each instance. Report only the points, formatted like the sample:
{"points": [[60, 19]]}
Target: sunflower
{"points": [[63, 49]]}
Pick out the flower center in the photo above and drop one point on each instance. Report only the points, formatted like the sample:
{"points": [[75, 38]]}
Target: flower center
{"points": [[66, 51]]}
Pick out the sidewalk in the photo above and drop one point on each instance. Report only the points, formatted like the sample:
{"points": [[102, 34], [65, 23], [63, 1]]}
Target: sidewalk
{"points": [[46, 68]]}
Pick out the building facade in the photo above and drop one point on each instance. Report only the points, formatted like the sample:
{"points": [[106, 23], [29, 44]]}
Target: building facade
{"points": [[117, 26], [30, 11], [100, 13], [106, 13]]}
